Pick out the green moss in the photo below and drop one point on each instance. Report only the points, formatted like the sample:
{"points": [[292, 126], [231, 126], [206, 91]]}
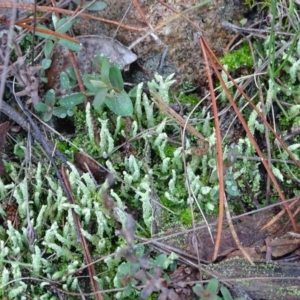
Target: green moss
{"points": [[293, 291], [26, 45], [79, 120], [169, 150], [251, 3], [186, 217], [82, 140], [66, 148], [189, 99], [238, 58]]}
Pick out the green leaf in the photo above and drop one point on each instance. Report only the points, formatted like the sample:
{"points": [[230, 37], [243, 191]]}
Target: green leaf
{"points": [[64, 24], [87, 82], [96, 6], [212, 286], [50, 98], [243, 21], [205, 190], [55, 19], [294, 111], [44, 35], [116, 79], [71, 73], [128, 290], [96, 64], [99, 98], [64, 81], [126, 268], [19, 150], [48, 48], [98, 84], [15, 292], [230, 185], [132, 92], [70, 45], [198, 289], [40, 107], [120, 104], [46, 63], [232, 190], [105, 68], [209, 206], [160, 260], [70, 101], [70, 112], [60, 112], [47, 107], [48, 115], [225, 293]]}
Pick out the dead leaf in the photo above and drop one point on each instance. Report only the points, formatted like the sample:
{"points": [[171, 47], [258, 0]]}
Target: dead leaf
{"points": [[11, 210], [110, 48], [87, 164]]}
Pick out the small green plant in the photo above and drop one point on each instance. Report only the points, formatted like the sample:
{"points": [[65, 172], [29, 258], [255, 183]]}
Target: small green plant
{"points": [[108, 87], [65, 108], [211, 291], [142, 270]]}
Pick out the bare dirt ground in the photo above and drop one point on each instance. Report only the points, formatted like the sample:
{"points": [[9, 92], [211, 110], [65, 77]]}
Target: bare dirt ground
{"points": [[183, 55]]}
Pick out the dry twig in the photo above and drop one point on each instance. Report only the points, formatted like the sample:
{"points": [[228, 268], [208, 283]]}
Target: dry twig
{"points": [[203, 145]]}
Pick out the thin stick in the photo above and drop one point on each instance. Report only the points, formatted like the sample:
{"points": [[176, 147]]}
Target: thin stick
{"points": [[233, 232], [201, 141], [138, 7], [7, 54], [69, 12], [182, 14], [219, 150]]}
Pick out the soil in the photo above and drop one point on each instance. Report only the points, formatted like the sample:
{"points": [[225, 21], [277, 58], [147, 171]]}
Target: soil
{"points": [[180, 38]]}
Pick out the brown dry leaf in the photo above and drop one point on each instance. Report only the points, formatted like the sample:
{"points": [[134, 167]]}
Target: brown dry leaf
{"points": [[87, 164], [3, 131], [11, 210]]}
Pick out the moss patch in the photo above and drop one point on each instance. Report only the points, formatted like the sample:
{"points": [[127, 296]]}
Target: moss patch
{"points": [[238, 58]]}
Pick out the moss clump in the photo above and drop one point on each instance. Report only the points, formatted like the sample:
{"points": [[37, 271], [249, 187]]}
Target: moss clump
{"points": [[189, 99], [169, 150], [238, 58], [64, 147], [186, 217], [251, 3]]}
